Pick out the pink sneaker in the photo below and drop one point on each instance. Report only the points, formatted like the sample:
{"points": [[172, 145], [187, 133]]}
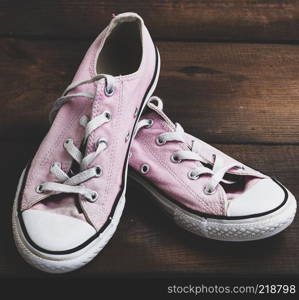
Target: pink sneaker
{"points": [[71, 195], [204, 190]]}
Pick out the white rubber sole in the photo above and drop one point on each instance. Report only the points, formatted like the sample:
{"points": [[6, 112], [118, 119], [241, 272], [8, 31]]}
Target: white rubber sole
{"points": [[235, 230], [69, 262]]}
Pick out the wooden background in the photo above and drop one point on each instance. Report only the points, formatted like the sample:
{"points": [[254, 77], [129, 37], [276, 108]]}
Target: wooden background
{"points": [[230, 75]]}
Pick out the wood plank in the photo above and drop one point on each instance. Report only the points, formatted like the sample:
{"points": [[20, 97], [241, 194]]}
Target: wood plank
{"points": [[225, 20], [152, 244], [249, 91]]}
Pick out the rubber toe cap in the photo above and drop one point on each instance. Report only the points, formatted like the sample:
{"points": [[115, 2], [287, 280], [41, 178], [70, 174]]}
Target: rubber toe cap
{"points": [[55, 232], [264, 196]]}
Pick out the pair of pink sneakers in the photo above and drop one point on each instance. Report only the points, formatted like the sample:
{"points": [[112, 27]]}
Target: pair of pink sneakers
{"points": [[71, 195]]}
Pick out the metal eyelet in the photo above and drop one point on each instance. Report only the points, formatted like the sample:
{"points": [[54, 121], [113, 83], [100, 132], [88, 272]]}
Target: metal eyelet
{"points": [[107, 92], [108, 115], [192, 176], [208, 190], [144, 169], [39, 189], [83, 120], [94, 197], [160, 141], [174, 158], [150, 124], [68, 141], [56, 164], [102, 140], [98, 171]]}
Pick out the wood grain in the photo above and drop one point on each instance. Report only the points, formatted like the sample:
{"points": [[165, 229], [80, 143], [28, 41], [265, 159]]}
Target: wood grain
{"points": [[148, 242], [221, 20], [243, 97], [249, 91]]}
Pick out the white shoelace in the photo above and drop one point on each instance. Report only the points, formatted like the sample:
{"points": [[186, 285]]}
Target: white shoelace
{"points": [[72, 184], [218, 170]]}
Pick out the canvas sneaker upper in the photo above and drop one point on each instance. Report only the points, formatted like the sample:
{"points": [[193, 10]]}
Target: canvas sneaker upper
{"points": [[78, 174], [196, 175]]}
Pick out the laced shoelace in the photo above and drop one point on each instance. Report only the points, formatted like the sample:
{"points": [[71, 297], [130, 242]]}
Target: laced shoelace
{"points": [[218, 170], [72, 184]]}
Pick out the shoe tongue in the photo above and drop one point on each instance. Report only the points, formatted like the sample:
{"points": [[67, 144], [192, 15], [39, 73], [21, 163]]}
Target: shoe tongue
{"points": [[155, 106]]}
